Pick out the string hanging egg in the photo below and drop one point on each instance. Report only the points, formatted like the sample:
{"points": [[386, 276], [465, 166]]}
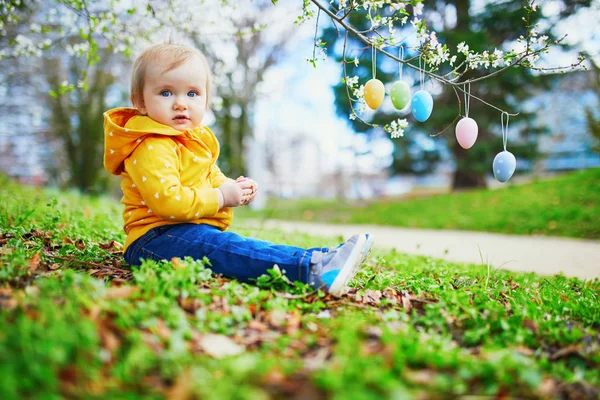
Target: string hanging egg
{"points": [[505, 163], [466, 132], [422, 102], [504, 166], [374, 93], [422, 105], [400, 92], [466, 129]]}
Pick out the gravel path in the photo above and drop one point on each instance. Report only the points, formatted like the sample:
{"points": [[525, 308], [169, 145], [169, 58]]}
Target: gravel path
{"points": [[543, 255]]}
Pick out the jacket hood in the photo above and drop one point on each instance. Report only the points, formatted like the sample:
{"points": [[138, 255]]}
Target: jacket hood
{"points": [[124, 130]]}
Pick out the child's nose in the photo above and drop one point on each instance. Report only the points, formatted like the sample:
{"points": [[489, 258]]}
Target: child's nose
{"points": [[179, 105]]}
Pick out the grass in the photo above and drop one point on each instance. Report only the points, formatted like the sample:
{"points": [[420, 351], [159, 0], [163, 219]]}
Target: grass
{"points": [[565, 206], [76, 321]]}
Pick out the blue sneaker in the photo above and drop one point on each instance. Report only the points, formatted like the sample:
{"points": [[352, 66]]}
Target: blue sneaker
{"points": [[335, 268], [367, 250]]}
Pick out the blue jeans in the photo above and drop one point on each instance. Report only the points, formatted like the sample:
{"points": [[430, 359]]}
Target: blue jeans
{"points": [[230, 254]]}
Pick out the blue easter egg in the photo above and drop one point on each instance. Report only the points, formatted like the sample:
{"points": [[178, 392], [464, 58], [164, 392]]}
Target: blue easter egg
{"points": [[504, 165], [422, 105]]}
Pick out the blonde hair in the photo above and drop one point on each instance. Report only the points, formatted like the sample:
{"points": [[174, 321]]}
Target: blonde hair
{"points": [[177, 54]]}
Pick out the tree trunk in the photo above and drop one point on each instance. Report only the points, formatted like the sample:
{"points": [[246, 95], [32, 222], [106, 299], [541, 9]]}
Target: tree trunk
{"points": [[244, 131]]}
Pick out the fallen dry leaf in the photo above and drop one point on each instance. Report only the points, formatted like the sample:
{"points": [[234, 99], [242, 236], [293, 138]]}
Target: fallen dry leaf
{"points": [[257, 325], [406, 302], [108, 338], [530, 324], [525, 350], [219, 346], [121, 292], [572, 350], [177, 263], [154, 343], [112, 245], [189, 305], [369, 297], [421, 377], [293, 322], [163, 330], [277, 318], [7, 301], [181, 389], [34, 262], [547, 389], [316, 359]]}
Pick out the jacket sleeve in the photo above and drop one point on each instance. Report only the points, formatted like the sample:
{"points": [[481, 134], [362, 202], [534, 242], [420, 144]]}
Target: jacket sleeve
{"points": [[217, 178], [154, 169]]}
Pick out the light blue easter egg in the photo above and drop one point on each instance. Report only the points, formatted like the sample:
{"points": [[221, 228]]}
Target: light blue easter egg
{"points": [[504, 165], [422, 105]]}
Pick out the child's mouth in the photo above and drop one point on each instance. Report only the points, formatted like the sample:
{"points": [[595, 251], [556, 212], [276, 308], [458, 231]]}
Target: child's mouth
{"points": [[180, 118]]}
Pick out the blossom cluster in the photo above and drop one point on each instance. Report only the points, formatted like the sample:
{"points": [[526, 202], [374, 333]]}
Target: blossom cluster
{"points": [[359, 96], [396, 128]]}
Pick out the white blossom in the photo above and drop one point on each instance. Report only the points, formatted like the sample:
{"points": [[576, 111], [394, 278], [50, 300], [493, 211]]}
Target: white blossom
{"points": [[463, 48], [352, 81], [360, 92], [396, 128], [433, 40], [418, 9]]}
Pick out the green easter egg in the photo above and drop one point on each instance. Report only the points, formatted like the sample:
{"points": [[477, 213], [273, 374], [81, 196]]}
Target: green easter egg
{"points": [[400, 94]]}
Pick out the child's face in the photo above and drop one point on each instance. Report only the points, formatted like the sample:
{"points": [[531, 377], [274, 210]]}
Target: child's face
{"points": [[176, 98]]}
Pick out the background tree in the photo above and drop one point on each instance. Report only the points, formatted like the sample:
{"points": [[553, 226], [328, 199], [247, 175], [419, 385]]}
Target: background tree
{"points": [[120, 26], [64, 53], [77, 118], [496, 25], [258, 34], [593, 120]]}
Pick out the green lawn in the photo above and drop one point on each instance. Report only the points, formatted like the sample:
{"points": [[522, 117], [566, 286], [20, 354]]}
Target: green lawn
{"points": [[565, 206], [76, 321]]}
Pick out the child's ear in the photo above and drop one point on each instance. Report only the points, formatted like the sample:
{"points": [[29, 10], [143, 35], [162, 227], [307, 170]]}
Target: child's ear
{"points": [[139, 104]]}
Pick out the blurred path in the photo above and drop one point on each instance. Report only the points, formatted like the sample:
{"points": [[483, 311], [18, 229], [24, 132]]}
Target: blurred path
{"points": [[543, 255]]}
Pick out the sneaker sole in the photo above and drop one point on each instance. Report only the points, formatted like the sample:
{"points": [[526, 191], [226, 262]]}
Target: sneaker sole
{"points": [[349, 269], [369, 247]]}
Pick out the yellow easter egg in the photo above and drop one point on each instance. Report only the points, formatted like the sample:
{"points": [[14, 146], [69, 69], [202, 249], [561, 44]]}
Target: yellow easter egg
{"points": [[374, 93]]}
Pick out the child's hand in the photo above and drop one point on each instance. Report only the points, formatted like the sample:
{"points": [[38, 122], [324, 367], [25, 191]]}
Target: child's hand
{"points": [[232, 193], [248, 183]]}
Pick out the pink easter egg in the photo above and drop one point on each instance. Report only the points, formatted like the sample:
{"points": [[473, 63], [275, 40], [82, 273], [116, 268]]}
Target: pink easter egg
{"points": [[466, 132]]}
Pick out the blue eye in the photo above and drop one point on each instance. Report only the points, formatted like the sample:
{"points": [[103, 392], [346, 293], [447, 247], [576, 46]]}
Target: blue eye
{"points": [[193, 93], [165, 93]]}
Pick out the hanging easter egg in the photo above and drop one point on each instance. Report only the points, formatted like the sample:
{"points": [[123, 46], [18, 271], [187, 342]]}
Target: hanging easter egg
{"points": [[466, 132], [374, 93], [422, 105], [504, 165], [400, 94]]}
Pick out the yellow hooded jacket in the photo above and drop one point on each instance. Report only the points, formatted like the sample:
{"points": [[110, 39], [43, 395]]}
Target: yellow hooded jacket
{"points": [[169, 176]]}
